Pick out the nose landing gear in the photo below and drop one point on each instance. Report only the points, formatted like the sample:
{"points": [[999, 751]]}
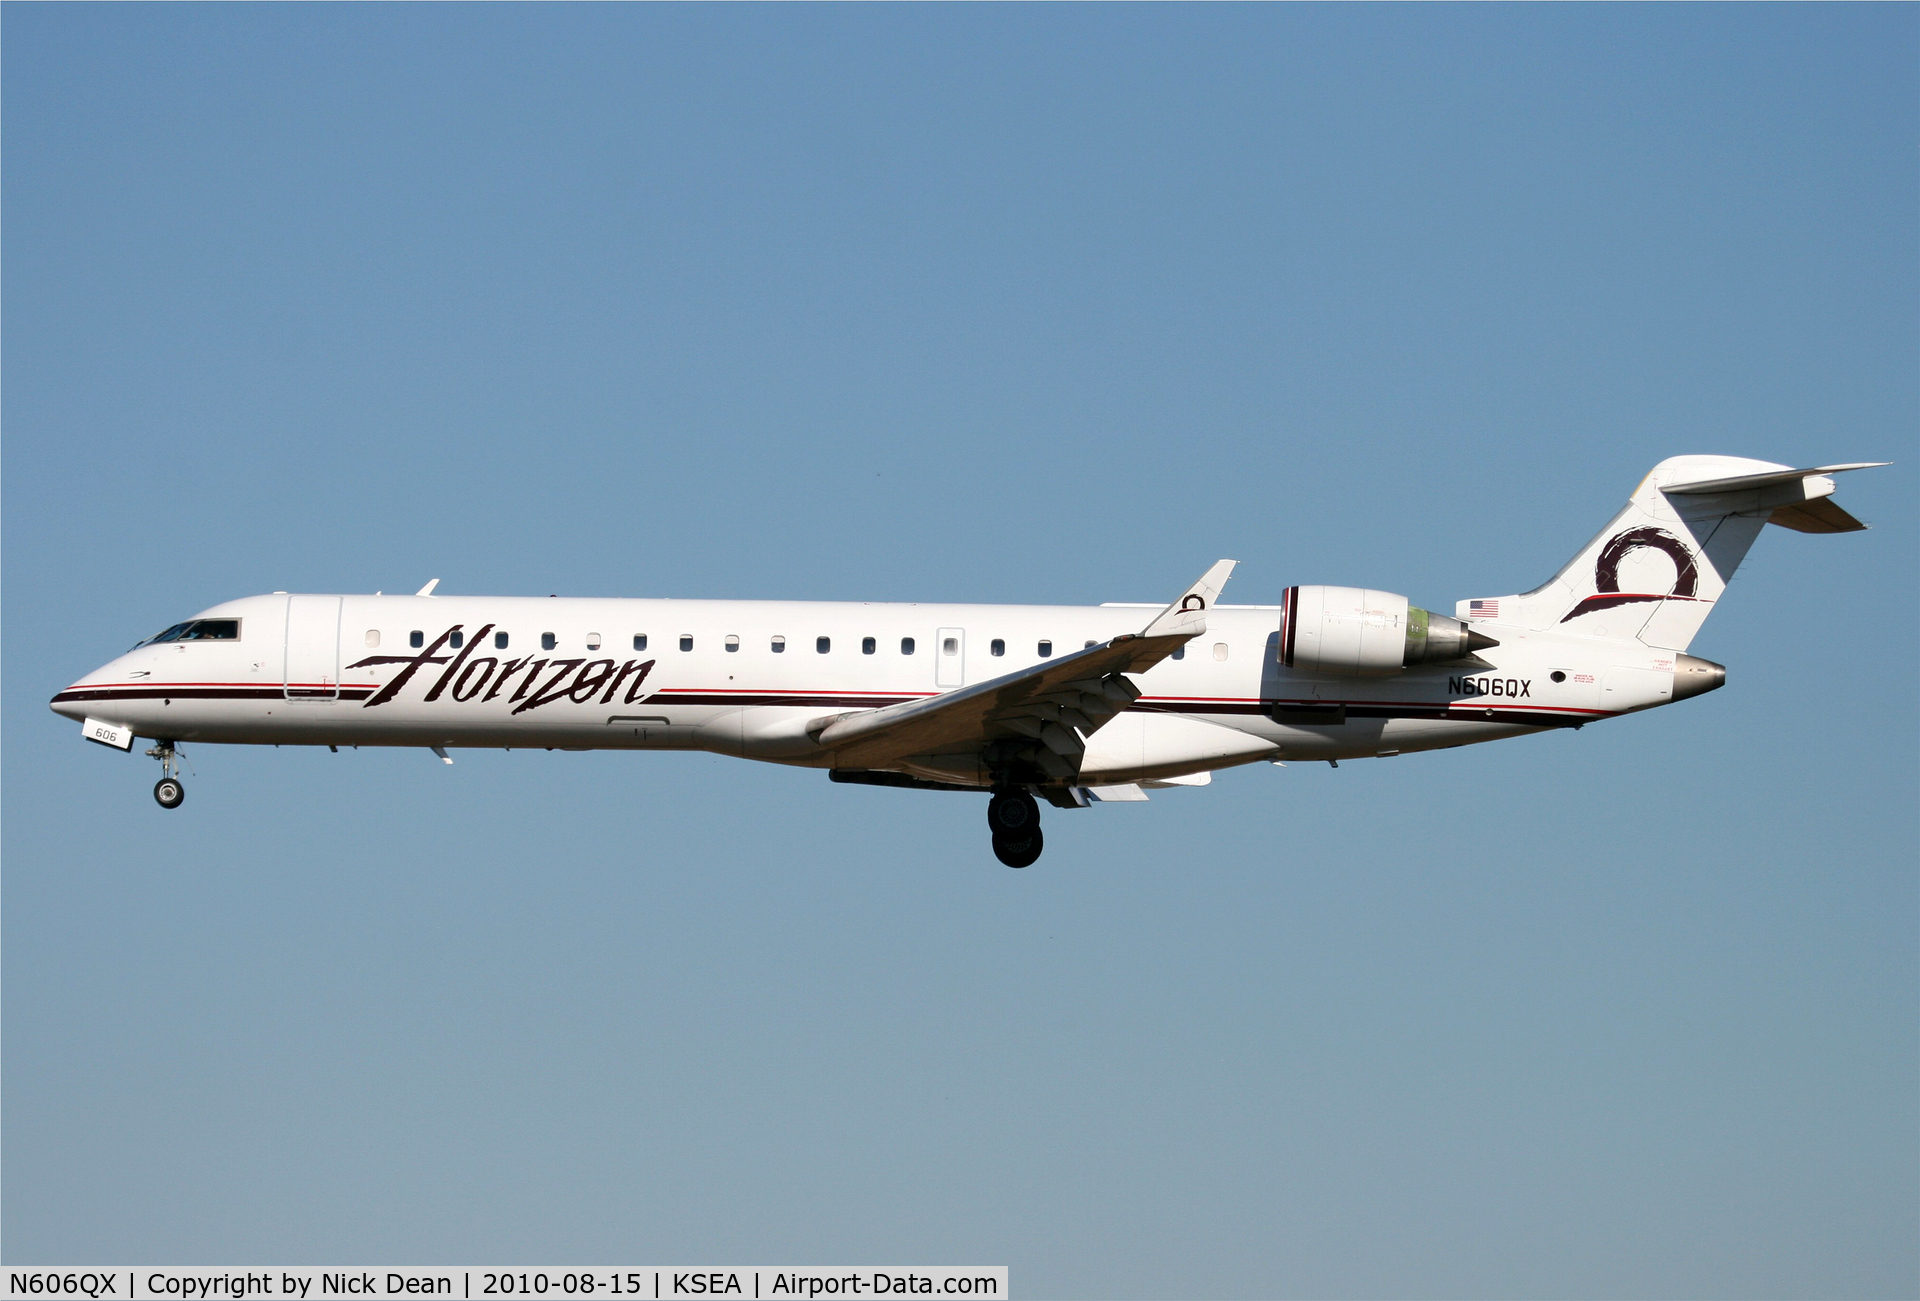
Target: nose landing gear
{"points": [[169, 792], [1014, 818]]}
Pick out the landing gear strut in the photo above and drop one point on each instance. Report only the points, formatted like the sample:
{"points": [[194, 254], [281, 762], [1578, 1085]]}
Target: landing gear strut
{"points": [[1014, 818], [169, 791]]}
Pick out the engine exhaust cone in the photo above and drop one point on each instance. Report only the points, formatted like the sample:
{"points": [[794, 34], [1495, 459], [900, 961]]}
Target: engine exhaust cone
{"points": [[1478, 641]]}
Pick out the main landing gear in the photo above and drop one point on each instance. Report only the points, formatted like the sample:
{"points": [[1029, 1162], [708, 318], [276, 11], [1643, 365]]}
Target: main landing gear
{"points": [[169, 791], [1014, 817]]}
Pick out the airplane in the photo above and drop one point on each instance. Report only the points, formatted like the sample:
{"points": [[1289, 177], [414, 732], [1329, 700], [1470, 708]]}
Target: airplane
{"points": [[1074, 705]]}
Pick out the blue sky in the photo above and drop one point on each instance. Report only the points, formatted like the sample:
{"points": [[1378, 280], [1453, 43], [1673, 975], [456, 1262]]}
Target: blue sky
{"points": [[979, 304]]}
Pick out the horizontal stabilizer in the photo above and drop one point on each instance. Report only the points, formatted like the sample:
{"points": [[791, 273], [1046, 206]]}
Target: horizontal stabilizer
{"points": [[1743, 482], [1817, 516]]}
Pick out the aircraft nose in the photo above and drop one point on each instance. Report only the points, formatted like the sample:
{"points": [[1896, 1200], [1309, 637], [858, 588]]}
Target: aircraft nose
{"points": [[72, 702]]}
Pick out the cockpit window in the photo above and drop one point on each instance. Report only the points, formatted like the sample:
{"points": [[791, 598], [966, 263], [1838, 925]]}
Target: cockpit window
{"points": [[199, 630]]}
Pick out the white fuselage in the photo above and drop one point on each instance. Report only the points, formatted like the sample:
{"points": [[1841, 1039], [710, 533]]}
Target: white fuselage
{"points": [[672, 674]]}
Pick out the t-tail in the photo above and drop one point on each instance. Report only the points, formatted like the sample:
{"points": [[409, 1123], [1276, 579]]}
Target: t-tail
{"points": [[1654, 573]]}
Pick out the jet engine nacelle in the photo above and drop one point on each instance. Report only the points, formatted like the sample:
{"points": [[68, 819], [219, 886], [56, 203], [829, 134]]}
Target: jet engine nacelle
{"points": [[1364, 633]]}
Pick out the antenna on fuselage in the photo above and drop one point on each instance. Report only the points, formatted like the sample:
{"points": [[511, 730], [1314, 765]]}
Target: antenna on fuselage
{"points": [[428, 589]]}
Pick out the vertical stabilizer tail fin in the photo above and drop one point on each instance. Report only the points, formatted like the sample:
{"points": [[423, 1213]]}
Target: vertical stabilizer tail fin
{"points": [[1654, 573]]}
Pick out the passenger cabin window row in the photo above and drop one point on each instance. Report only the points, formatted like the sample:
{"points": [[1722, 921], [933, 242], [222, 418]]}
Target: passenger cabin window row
{"points": [[501, 641], [777, 644], [229, 630], [998, 646]]}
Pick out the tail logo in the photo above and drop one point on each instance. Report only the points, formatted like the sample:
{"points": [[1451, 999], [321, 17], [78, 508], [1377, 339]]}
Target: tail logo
{"points": [[1606, 572]]}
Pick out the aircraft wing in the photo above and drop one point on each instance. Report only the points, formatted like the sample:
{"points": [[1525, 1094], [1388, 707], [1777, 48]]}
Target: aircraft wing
{"points": [[1051, 707]]}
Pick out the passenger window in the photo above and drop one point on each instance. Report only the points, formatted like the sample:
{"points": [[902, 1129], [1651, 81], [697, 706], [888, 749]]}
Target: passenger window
{"points": [[951, 646], [593, 641], [499, 641], [373, 636], [1046, 649], [686, 641], [733, 644], [457, 640], [639, 641], [906, 645], [1179, 653], [823, 644], [779, 645], [868, 645], [416, 639], [548, 641], [1220, 650], [997, 647]]}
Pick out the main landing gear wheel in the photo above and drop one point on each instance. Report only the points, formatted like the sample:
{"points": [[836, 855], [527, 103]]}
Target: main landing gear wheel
{"points": [[1015, 819], [169, 791], [1021, 850], [1011, 813]]}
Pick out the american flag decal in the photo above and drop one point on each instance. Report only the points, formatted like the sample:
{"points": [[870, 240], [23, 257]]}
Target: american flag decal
{"points": [[1483, 609]]}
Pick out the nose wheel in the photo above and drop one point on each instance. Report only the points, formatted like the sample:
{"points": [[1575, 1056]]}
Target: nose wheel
{"points": [[169, 792], [1014, 818]]}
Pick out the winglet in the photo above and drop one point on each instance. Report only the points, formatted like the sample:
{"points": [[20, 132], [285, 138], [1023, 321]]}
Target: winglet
{"points": [[428, 589], [1188, 615]]}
